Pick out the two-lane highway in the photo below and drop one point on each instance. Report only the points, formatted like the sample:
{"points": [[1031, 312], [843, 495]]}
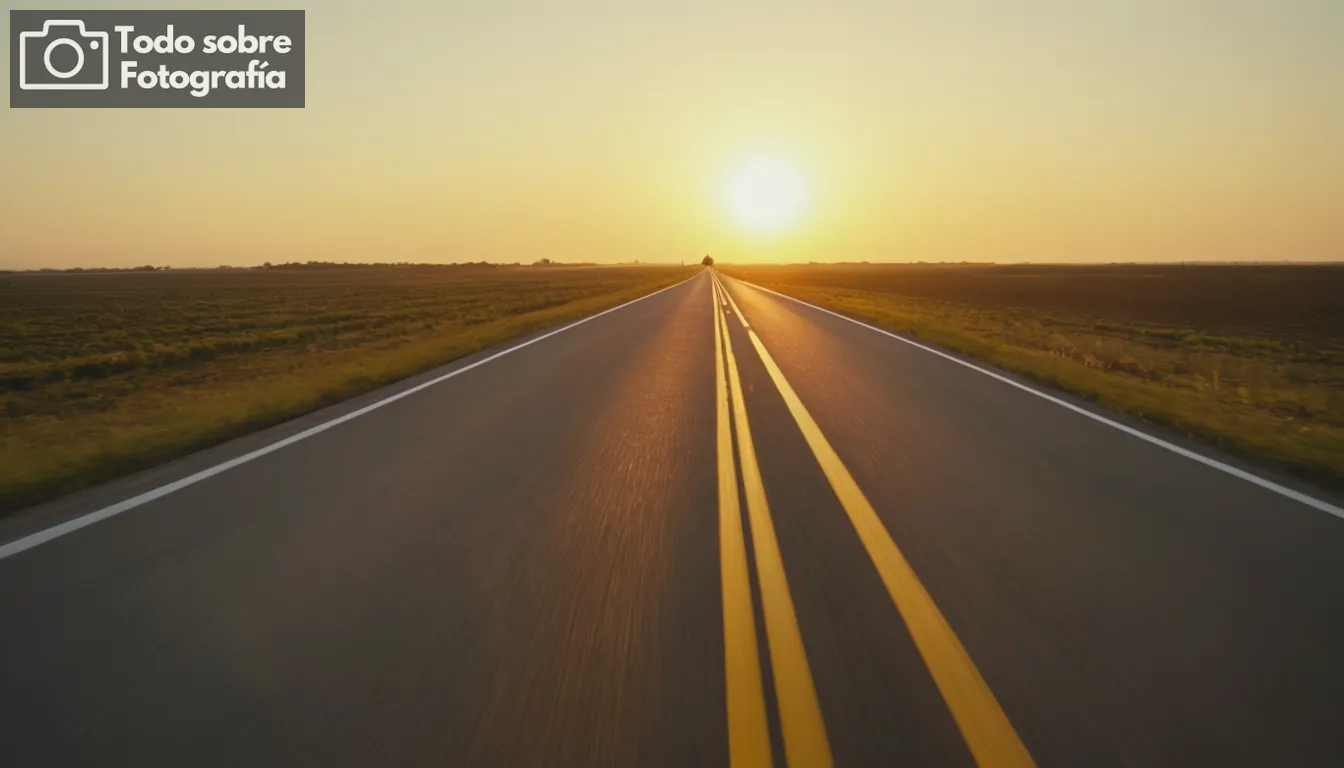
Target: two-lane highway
{"points": [[713, 526]]}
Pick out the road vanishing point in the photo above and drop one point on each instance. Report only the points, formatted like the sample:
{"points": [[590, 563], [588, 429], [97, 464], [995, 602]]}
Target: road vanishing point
{"points": [[714, 526]]}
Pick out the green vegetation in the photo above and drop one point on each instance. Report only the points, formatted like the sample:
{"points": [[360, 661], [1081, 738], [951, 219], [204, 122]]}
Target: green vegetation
{"points": [[104, 374], [1250, 358]]}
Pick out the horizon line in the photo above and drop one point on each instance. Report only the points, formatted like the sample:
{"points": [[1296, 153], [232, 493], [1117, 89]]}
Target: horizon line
{"points": [[641, 263]]}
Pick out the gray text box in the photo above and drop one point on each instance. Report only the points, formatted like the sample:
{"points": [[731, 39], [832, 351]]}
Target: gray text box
{"points": [[82, 59]]}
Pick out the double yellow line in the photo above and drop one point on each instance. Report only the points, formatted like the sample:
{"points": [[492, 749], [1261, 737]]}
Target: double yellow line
{"points": [[804, 732], [990, 736]]}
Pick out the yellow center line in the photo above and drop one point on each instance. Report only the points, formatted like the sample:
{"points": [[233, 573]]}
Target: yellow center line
{"points": [[748, 731], [804, 732], [990, 736]]}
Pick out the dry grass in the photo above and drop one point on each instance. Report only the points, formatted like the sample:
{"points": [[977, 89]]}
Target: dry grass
{"points": [[1248, 358], [103, 374]]}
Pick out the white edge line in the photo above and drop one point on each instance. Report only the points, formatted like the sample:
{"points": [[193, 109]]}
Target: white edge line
{"points": [[70, 526], [1269, 485]]}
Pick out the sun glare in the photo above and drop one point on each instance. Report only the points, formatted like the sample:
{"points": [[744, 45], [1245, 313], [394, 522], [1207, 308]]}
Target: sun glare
{"points": [[767, 195]]}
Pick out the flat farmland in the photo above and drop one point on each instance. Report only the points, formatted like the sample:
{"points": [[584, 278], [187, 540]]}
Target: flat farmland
{"points": [[1246, 357], [105, 373]]}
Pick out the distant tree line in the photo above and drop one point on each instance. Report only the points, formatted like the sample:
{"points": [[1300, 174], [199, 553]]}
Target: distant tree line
{"points": [[78, 270], [551, 263], [310, 265], [268, 265]]}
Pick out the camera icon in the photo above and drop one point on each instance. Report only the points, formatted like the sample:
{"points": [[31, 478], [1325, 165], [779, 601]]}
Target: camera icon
{"points": [[39, 72]]}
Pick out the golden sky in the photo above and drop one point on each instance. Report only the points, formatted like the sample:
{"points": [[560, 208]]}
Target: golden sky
{"points": [[502, 130]]}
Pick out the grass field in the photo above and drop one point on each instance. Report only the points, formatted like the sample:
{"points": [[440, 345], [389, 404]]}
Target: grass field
{"points": [[1250, 358], [103, 374]]}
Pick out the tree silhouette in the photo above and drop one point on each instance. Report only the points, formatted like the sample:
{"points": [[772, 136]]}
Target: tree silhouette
{"points": [[708, 261]]}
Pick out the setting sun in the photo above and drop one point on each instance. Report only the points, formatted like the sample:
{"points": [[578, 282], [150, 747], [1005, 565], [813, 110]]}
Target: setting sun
{"points": [[767, 195]]}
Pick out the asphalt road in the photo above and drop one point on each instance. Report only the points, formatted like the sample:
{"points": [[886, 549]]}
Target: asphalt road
{"points": [[573, 555]]}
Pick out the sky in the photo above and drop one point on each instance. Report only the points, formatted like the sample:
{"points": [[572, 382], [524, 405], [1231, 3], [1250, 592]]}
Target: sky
{"points": [[502, 130]]}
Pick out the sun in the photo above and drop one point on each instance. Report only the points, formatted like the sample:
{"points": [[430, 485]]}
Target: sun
{"points": [[767, 195]]}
